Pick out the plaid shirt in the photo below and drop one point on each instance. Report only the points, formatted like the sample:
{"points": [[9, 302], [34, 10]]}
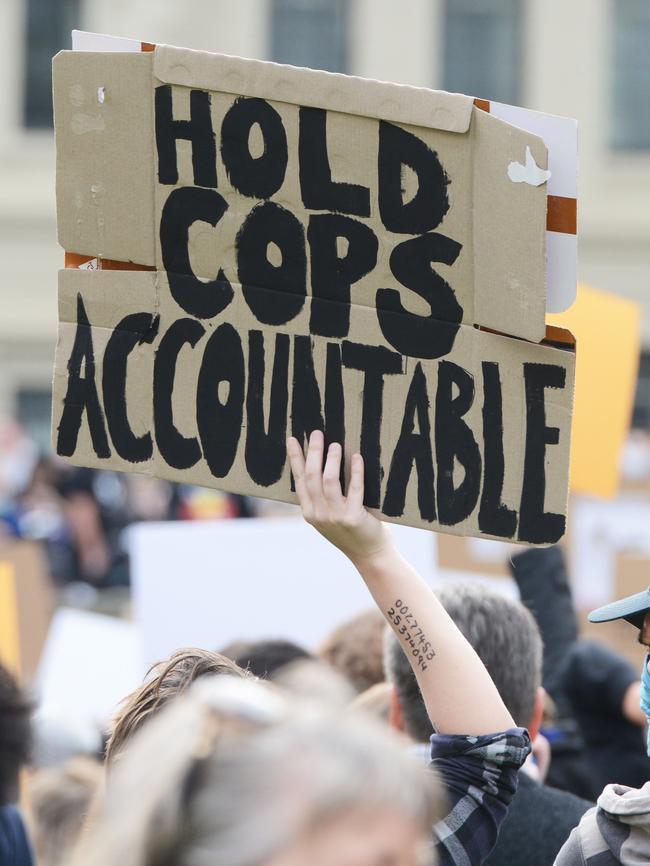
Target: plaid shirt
{"points": [[479, 775]]}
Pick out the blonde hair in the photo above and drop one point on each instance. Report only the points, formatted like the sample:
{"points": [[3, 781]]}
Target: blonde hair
{"points": [[375, 701], [61, 799], [232, 772], [164, 681]]}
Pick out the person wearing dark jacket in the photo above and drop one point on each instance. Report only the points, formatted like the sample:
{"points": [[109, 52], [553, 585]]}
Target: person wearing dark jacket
{"points": [[507, 640], [15, 849], [598, 737], [15, 745]]}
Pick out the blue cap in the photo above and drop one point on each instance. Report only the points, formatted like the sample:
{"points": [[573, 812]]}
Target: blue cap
{"points": [[633, 608]]}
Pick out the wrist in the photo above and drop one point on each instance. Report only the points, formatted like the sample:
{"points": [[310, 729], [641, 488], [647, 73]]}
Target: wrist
{"points": [[377, 560]]}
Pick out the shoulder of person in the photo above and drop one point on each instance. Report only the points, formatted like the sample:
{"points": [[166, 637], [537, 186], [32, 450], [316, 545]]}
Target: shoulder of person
{"points": [[14, 845], [560, 804]]}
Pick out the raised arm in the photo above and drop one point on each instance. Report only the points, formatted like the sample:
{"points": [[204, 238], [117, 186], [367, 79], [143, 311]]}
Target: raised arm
{"points": [[458, 692], [543, 582]]}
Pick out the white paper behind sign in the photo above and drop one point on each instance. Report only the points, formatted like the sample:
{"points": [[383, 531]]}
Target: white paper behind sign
{"points": [[208, 583], [560, 135], [90, 662]]}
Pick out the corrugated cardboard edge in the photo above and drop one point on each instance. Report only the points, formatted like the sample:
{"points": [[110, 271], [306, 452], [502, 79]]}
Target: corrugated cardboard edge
{"points": [[509, 291], [397, 103], [95, 215]]}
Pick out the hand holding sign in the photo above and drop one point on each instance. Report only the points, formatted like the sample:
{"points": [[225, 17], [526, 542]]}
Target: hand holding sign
{"points": [[342, 520]]}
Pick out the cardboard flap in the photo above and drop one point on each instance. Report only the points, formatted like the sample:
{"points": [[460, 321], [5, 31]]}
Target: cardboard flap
{"points": [[397, 103], [326, 253], [509, 237], [109, 199], [103, 108]]}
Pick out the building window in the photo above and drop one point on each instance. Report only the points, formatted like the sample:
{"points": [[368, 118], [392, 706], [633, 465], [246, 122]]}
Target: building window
{"points": [[630, 75], [482, 48], [310, 33], [47, 29], [34, 413]]}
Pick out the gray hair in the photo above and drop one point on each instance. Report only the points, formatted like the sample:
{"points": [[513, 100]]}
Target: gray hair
{"points": [[233, 771], [506, 638]]}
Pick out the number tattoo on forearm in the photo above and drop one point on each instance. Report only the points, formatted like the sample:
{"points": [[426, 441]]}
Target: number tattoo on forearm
{"points": [[410, 633]]}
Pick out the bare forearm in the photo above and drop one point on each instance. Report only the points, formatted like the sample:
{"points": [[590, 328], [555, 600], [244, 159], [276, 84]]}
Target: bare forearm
{"points": [[457, 690], [459, 695]]}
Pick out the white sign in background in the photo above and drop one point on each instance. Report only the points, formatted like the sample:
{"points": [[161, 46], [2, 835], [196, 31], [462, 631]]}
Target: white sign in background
{"points": [[208, 583], [204, 584], [89, 663]]}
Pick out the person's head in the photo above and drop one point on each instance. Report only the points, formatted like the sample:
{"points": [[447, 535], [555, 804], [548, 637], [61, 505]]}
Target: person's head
{"points": [[15, 735], [507, 640], [264, 658], [61, 798], [355, 649], [165, 681], [634, 609], [236, 774]]}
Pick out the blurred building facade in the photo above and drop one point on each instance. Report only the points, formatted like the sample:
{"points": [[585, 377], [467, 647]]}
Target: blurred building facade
{"points": [[589, 59]]}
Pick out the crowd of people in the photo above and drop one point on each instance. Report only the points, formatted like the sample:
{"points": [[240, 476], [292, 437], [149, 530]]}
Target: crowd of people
{"points": [[81, 515], [455, 727]]}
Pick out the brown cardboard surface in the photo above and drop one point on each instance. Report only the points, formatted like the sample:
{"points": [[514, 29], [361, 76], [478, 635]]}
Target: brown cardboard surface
{"points": [[239, 242], [241, 76], [603, 379], [106, 171], [104, 180], [632, 574], [34, 601], [109, 296]]}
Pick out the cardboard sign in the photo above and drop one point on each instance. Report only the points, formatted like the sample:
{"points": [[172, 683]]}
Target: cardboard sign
{"points": [[559, 134], [26, 606], [603, 379], [9, 631], [315, 251]]}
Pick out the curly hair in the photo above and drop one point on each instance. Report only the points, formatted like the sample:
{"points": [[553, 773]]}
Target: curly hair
{"points": [[15, 734], [164, 681]]}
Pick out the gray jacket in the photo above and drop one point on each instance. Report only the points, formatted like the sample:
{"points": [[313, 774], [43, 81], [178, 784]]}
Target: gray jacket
{"points": [[616, 831]]}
